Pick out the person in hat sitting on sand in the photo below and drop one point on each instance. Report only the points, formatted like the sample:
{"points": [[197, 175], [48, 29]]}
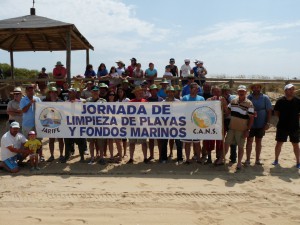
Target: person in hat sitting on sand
{"points": [[262, 116], [59, 72], [12, 149]]}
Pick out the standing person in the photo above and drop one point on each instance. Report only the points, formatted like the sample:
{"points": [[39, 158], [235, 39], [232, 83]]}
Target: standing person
{"points": [[60, 72], [70, 142], [200, 72], [138, 73], [154, 98], [173, 70], [151, 73], [131, 67], [13, 107], [242, 117], [262, 116], [27, 104], [96, 143], [102, 73], [138, 92], [164, 142], [185, 71], [42, 84], [54, 98], [12, 151], [193, 96], [89, 72], [287, 109], [33, 145]]}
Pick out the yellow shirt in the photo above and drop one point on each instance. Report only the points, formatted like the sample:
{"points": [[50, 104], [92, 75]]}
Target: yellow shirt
{"points": [[33, 145]]}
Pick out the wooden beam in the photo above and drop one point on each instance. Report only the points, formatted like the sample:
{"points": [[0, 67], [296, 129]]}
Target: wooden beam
{"points": [[47, 41], [30, 42], [13, 42], [87, 56], [68, 61], [6, 39], [12, 64]]}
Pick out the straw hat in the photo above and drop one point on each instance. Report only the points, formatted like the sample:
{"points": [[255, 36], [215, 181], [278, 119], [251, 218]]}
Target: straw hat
{"points": [[16, 90], [137, 88]]}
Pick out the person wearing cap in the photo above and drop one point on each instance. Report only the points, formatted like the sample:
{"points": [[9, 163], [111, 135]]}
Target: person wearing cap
{"points": [[13, 107], [120, 68], [154, 98], [103, 90], [186, 89], [70, 142], [138, 73], [287, 109], [242, 116], [226, 94], [59, 72], [138, 92], [42, 84], [164, 142], [131, 67], [151, 73], [162, 91], [199, 72], [87, 92], [193, 96], [168, 75], [53, 97], [97, 144], [262, 116], [173, 70], [33, 145], [185, 70], [12, 148], [89, 72]]}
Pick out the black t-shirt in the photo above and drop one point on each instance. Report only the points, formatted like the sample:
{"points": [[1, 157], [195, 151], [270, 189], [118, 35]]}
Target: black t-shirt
{"points": [[288, 113]]}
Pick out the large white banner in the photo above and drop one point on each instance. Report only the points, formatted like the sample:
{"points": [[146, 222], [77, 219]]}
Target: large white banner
{"points": [[157, 120]]}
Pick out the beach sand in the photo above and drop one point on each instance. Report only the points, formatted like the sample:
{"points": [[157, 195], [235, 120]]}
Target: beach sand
{"points": [[78, 193]]}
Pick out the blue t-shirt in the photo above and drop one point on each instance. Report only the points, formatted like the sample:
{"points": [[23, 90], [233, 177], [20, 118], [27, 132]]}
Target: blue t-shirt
{"points": [[89, 73], [102, 73], [188, 98], [186, 90], [28, 117], [261, 105], [150, 73], [162, 93]]}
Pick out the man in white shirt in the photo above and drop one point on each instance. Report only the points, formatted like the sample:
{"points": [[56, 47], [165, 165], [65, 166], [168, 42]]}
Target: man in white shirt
{"points": [[12, 151], [185, 70]]}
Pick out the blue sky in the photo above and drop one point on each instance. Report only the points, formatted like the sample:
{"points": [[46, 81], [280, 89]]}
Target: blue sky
{"points": [[232, 37]]}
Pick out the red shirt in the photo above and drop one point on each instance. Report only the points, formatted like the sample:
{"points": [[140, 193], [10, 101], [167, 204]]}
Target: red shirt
{"points": [[58, 71], [141, 100]]}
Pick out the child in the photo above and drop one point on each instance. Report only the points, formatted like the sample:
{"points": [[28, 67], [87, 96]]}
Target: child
{"points": [[168, 75], [33, 145]]}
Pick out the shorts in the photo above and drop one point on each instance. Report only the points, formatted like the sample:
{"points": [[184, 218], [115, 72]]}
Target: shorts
{"points": [[190, 140], [282, 135], [137, 141], [257, 132], [235, 137], [11, 162]]}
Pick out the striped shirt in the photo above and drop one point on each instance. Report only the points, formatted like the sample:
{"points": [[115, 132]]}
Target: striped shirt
{"points": [[240, 112]]}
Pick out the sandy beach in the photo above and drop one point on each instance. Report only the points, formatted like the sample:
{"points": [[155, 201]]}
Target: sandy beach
{"points": [[78, 193]]}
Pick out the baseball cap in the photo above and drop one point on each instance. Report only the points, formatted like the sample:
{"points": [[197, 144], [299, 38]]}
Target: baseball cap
{"points": [[288, 86], [187, 60], [242, 88], [31, 132], [15, 125]]}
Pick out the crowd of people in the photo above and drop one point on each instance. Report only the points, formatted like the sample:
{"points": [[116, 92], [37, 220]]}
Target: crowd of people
{"points": [[246, 117]]}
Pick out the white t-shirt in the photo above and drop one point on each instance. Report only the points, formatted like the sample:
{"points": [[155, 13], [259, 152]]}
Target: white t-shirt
{"points": [[186, 70], [9, 140], [115, 79], [168, 75]]}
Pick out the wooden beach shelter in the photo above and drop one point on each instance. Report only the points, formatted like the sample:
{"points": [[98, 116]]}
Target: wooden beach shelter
{"points": [[36, 33]]}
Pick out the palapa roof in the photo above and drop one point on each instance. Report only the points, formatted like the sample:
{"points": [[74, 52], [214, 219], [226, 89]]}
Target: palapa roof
{"points": [[37, 33]]}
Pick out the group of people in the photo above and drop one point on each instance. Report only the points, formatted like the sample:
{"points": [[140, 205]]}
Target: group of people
{"points": [[246, 118]]}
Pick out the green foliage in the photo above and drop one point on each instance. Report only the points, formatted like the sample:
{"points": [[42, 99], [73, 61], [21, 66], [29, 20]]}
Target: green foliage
{"points": [[20, 73]]}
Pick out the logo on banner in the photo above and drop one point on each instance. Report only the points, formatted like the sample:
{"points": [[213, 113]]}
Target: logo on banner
{"points": [[204, 117], [50, 118]]}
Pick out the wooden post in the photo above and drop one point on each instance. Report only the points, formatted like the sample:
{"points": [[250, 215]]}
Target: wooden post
{"points": [[87, 56], [68, 61], [12, 64]]}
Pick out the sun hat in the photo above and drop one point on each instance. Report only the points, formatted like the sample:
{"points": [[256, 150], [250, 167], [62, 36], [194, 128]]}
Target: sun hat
{"points": [[242, 88], [196, 60], [153, 86], [120, 61], [103, 85], [16, 90], [137, 88], [52, 89], [31, 132], [199, 62], [95, 88], [170, 88], [164, 81], [59, 63], [288, 86], [15, 125], [177, 88]]}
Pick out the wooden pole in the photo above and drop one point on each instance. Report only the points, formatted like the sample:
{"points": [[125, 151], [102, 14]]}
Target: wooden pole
{"points": [[68, 61], [87, 56], [12, 64]]}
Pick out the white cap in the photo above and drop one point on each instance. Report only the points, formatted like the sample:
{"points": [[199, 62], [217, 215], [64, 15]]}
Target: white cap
{"points": [[15, 125], [187, 60], [288, 86], [200, 62], [242, 88], [196, 60]]}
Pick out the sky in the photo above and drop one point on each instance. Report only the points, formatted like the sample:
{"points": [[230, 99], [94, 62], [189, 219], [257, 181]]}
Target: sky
{"points": [[232, 37]]}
